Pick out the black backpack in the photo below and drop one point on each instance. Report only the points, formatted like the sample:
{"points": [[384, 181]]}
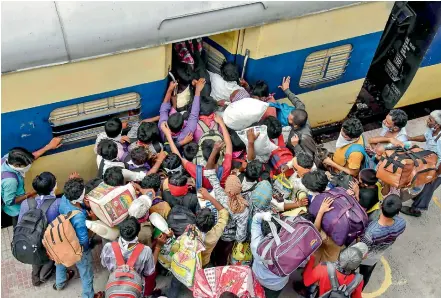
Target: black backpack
{"points": [[337, 290], [27, 246], [179, 218]]}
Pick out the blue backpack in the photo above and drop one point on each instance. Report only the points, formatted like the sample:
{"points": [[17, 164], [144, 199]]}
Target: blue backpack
{"points": [[368, 162], [283, 111]]}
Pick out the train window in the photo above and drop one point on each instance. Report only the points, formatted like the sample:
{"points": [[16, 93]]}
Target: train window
{"points": [[214, 58], [325, 65], [84, 121]]}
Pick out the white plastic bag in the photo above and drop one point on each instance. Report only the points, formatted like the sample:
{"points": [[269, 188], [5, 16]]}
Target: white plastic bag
{"points": [[102, 230], [262, 146], [243, 113]]}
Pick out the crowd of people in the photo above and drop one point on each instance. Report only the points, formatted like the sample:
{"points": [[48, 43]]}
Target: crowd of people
{"points": [[228, 196]]}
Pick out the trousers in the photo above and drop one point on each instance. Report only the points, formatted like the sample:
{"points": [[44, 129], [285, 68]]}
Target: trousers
{"points": [[422, 201]]}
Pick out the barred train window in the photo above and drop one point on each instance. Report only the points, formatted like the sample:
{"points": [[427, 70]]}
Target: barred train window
{"points": [[215, 58], [84, 121], [325, 65]]}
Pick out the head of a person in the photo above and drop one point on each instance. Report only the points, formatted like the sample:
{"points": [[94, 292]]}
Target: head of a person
{"points": [[351, 257], [183, 74], [74, 189], [315, 181], [148, 132], [368, 197], [139, 155], [228, 295], [44, 184], [260, 90], [190, 150], [262, 195], [351, 129], [107, 149], [297, 118], [177, 185], [266, 227], [113, 127], [434, 120], [113, 176], [20, 158], [92, 184], [175, 122], [172, 164], [367, 178], [236, 141], [208, 106], [205, 220], [273, 127], [391, 206], [303, 160], [152, 181], [129, 228], [230, 72], [253, 171], [395, 120], [207, 148]]}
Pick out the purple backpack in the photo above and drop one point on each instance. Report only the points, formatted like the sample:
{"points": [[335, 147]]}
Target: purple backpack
{"points": [[346, 221], [284, 252]]}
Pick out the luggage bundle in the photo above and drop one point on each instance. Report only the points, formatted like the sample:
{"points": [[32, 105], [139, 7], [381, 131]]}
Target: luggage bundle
{"points": [[403, 168]]}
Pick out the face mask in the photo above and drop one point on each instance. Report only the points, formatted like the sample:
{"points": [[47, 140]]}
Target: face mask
{"points": [[80, 199], [341, 142], [385, 127], [22, 171]]}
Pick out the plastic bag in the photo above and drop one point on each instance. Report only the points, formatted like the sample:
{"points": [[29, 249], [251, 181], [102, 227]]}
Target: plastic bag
{"points": [[282, 188], [241, 254]]}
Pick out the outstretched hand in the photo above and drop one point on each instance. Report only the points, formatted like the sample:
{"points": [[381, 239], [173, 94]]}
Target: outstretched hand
{"points": [[285, 83]]}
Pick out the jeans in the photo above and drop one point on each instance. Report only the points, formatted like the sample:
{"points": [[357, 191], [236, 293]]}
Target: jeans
{"points": [[366, 271], [423, 199], [41, 273], [85, 268]]}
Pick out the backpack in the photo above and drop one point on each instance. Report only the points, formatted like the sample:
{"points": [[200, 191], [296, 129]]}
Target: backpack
{"points": [[125, 282], [179, 218], [368, 162], [284, 252], [281, 156], [283, 111], [61, 241], [207, 134], [27, 246], [337, 290]]}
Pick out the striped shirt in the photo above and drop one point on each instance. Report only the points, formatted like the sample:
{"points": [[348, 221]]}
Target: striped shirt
{"points": [[379, 238]]}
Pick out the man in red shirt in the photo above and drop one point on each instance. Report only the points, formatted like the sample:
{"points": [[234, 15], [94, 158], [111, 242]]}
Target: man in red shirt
{"points": [[191, 167], [348, 261]]}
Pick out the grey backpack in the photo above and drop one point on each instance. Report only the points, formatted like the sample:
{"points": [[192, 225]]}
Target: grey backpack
{"points": [[337, 290], [208, 134]]}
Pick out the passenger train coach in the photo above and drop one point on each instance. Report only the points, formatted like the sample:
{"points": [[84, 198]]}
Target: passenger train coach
{"points": [[69, 66]]}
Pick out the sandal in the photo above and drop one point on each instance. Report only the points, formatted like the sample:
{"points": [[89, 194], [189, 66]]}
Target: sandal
{"points": [[70, 274]]}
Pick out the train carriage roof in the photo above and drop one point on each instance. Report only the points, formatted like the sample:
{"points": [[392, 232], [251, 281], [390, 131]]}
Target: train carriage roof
{"points": [[36, 34]]}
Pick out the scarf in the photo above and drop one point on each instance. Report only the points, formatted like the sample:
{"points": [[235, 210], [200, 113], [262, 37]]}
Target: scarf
{"points": [[178, 191], [125, 244], [233, 188], [178, 170], [207, 119], [21, 171]]}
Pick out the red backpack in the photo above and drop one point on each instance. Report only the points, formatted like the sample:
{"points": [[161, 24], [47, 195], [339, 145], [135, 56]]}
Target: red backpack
{"points": [[281, 156]]}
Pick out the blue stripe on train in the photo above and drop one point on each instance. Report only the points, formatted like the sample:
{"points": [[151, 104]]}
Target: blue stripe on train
{"points": [[29, 128], [433, 54]]}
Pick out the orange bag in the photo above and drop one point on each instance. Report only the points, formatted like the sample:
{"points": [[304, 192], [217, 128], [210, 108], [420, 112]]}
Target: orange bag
{"points": [[403, 168]]}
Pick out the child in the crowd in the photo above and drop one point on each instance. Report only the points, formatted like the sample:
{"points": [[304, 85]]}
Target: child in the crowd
{"points": [[178, 193], [315, 182], [147, 135], [146, 262], [381, 234], [139, 160], [74, 191], [190, 150], [114, 177], [140, 210], [250, 178], [301, 164], [206, 118], [45, 185], [367, 190], [112, 131], [153, 181], [172, 165], [15, 164]]}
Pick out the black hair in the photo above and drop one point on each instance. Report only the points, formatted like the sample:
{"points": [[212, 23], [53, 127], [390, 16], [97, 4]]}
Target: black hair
{"points": [[266, 227], [315, 181], [129, 228], [20, 157], [399, 117], [113, 127], [228, 295], [368, 197], [151, 181], [205, 220], [175, 122], [304, 160], [274, 127], [391, 206], [148, 132], [253, 170], [208, 106], [230, 72], [260, 89], [300, 117], [92, 184], [308, 216], [352, 128], [44, 183], [178, 180], [172, 161], [236, 141], [73, 188], [207, 147], [114, 177], [190, 150], [107, 149], [184, 73], [139, 156], [368, 176]]}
